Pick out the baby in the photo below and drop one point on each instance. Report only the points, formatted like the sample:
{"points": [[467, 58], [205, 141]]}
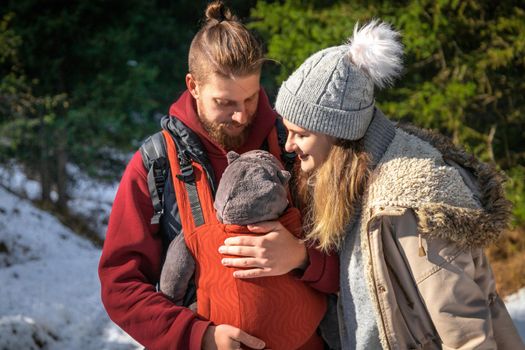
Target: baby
{"points": [[280, 310]]}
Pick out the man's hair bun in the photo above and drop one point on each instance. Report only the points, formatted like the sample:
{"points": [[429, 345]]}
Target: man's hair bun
{"points": [[217, 11]]}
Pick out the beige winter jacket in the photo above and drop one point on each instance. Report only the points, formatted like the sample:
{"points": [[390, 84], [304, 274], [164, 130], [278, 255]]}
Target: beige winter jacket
{"points": [[427, 219]]}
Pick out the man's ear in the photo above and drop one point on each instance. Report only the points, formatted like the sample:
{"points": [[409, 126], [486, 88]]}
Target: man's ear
{"points": [[191, 84]]}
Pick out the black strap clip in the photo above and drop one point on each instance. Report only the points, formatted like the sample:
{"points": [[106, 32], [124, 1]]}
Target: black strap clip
{"points": [[186, 168], [156, 182]]}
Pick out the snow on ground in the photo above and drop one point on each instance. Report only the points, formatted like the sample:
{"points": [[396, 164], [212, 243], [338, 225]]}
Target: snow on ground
{"points": [[13, 177], [50, 292], [50, 295], [516, 306], [90, 199]]}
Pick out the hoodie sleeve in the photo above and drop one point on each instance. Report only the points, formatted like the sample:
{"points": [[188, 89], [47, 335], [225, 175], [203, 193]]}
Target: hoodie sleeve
{"points": [[129, 269], [322, 272]]}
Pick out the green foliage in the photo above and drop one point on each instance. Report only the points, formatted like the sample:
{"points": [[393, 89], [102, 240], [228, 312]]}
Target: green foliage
{"points": [[29, 123], [293, 31], [463, 63], [81, 84], [516, 193], [84, 81], [9, 43], [81, 81], [23, 115]]}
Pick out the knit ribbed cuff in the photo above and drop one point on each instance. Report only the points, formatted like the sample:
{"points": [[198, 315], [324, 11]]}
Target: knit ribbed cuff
{"points": [[378, 137], [348, 125]]}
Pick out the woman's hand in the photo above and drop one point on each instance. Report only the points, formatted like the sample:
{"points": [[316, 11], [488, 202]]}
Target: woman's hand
{"points": [[226, 337], [275, 253]]}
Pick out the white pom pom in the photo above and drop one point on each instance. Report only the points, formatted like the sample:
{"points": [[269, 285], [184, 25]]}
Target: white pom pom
{"points": [[375, 48]]}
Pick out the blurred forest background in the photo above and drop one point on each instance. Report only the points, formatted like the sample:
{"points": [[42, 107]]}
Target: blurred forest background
{"points": [[84, 82]]}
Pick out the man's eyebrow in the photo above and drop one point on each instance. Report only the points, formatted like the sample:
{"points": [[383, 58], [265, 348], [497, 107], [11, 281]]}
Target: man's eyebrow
{"points": [[224, 99]]}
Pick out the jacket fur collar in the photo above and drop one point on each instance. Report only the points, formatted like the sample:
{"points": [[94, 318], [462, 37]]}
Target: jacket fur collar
{"points": [[413, 174]]}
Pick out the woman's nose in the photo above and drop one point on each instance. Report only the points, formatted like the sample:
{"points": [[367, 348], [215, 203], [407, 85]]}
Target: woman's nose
{"points": [[289, 146]]}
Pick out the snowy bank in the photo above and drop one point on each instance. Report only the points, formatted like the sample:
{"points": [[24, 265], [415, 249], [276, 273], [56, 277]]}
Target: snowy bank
{"points": [[516, 306], [90, 199], [50, 287]]}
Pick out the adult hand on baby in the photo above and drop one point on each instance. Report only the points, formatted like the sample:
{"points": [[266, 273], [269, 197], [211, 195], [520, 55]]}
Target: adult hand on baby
{"points": [[275, 253], [226, 337]]}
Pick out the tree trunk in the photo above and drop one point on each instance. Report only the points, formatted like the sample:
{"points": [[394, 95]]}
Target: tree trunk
{"points": [[61, 178], [43, 168]]}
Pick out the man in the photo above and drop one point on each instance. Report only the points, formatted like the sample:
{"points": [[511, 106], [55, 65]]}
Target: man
{"points": [[223, 109]]}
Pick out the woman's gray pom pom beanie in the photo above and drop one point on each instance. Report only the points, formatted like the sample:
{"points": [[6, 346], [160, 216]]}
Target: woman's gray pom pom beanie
{"points": [[332, 92]]}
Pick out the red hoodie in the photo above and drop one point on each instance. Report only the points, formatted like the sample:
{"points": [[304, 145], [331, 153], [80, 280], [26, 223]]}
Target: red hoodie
{"points": [[132, 255]]}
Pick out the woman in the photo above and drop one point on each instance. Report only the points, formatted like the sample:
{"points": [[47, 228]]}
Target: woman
{"points": [[407, 211]]}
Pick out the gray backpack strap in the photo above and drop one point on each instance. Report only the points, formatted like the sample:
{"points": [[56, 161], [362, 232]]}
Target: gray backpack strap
{"points": [[155, 159], [153, 152], [188, 177]]}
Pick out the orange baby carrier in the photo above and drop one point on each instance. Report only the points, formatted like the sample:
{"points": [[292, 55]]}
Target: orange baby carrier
{"points": [[281, 310]]}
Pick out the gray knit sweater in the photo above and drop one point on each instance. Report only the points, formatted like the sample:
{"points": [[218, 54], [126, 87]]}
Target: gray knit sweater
{"points": [[357, 321]]}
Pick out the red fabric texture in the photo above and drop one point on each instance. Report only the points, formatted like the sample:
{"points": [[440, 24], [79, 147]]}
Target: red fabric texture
{"points": [[131, 262], [281, 310]]}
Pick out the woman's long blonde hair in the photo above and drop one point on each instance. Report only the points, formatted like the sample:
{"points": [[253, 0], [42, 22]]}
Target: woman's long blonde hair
{"points": [[328, 196]]}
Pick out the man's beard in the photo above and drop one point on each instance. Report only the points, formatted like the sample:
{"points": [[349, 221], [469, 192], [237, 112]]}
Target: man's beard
{"points": [[219, 135]]}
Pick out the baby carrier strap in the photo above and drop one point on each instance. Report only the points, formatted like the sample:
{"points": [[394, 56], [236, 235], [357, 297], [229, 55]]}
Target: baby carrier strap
{"points": [[191, 186], [199, 203], [192, 189]]}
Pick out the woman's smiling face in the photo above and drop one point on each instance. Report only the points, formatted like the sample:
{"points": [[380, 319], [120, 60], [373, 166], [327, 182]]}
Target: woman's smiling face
{"points": [[312, 148]]}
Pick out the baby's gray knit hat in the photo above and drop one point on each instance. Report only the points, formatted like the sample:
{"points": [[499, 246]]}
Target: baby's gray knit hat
{"points": [[253, 188], [332, 92]]}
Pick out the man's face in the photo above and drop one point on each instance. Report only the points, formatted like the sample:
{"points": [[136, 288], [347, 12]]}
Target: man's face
{"points": [[226, 107]]}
